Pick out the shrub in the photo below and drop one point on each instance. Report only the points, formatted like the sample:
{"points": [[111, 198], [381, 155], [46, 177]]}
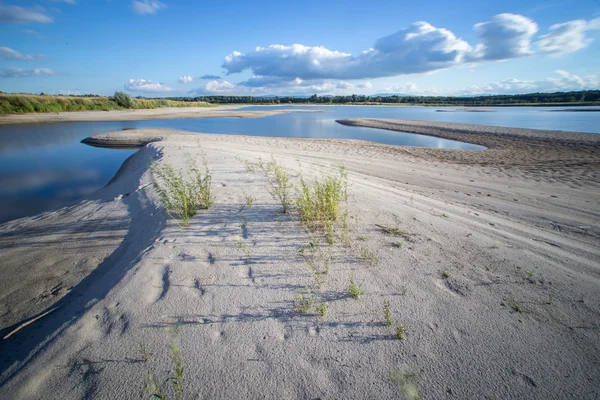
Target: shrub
{"points": [[123, 100]]}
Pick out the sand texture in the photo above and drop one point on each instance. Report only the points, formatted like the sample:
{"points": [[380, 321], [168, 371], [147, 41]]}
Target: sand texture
{"points": [[137, 115], [496, 277]]}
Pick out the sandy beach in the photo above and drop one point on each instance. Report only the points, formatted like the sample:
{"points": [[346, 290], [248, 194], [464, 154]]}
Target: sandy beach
{"points": [[230, 111], [496, 277]]}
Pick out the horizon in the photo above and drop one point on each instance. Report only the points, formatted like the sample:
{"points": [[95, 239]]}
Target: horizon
{"points": [[172, 48]]}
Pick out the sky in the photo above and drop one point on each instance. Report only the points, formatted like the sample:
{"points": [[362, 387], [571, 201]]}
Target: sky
{"points": [[174, 48]]}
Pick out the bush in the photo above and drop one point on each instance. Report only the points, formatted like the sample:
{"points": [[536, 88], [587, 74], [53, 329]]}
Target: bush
{"points": [[123, 100]]}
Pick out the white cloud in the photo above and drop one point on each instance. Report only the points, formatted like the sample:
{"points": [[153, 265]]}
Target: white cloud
{"points": [[146, 6], [143, 85], [365, 85], [21, 15], [9, 54], [563, 81], [20, 72], [185, 79], [505, 36], [218, 87], [568, 37], [419, 48]]}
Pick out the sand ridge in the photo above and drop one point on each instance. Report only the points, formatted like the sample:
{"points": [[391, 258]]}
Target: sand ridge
{"points": [[496, 283]]}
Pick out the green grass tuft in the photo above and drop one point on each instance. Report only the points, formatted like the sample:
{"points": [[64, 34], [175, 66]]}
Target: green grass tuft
{"points": [[354, 290]]}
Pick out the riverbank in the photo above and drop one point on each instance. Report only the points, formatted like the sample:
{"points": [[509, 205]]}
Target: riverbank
{"points": [[495, 278], [143, 114]]}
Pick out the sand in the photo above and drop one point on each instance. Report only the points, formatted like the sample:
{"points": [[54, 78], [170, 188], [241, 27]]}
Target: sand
{"points": [[475, 110], [496, 283], [137, 115]]}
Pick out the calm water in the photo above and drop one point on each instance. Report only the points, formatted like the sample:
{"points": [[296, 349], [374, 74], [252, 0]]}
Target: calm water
{"points": [[43, 166]]}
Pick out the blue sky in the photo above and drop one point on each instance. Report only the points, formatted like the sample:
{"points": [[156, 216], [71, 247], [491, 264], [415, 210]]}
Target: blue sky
{"points": [[187, 48]]}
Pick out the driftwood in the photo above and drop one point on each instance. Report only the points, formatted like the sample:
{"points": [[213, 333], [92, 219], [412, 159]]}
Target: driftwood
{"points": [[31, 321]]}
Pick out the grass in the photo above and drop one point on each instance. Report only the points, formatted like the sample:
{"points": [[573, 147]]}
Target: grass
{"points": [[319, 204], [24, 103], [144, 352], [354, 290], [304, 301], [405, 378], [322, 309], [387, 314], [249, 199], [400, 332], [279, 183], [184, 194], [446, 274], [368, 256], [176, 381]]}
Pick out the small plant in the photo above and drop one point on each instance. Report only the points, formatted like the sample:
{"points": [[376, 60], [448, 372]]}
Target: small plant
{"points": [[387, 314], [177, 380], [250, 167], [362, 238], [304, 301], [279, 183], [393, 230], [405, 378], [397, 245], [446, 274], [354, 290], [368, 256], [143, 352], [516, 308], [400, 332], [249, 199], [530, 276], [154, 389], [184, 195], [322, 309]]}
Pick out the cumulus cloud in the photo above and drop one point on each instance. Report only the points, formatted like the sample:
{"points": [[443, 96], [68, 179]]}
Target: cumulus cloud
{"points": [[22, 15], [562, 81], [143, 85], [146, 6], [9, 54], [364, 85], [419, 48], [505, 36], [20, 72], [185, 79], [211, 77], [217, 87], [568, 37]]}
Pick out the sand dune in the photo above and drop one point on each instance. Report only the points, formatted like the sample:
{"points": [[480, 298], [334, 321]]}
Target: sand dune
{"points": [[496, 282]]}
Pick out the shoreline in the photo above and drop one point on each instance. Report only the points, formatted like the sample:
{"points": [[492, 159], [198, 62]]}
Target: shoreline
{"points": [[487, 235], [141, 114]]}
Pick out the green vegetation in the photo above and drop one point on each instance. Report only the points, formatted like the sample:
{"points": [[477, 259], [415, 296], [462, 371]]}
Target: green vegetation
{"points": [[587, 97], [405, 378], [368, 256], [354, 290], [123, 100], [322, 309], [279, 183], [400, 332], [387, 314], [184, 195], [319, 204], [249, 199], [176, 381], [446, 274], [304, 301], [23, 103]]}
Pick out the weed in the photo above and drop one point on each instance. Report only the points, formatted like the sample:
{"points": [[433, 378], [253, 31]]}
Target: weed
{"points": [[368, 256], [177, 380], [279, 183], [397, 245], [354, 290], [405, 378], [393, 230], [154, 388], [516, 308], [322, 309], [184, 195], [529, 276], [362, 238], [304, 301], [250, 167], [143, 352], [446, 274], [249, 199], [400, 332], [386, 312], [319, 205]]}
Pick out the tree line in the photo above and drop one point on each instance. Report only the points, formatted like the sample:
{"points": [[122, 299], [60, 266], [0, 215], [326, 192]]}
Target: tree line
{"points": [[579, 97]]}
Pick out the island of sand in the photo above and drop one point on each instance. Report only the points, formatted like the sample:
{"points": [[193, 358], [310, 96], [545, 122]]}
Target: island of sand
{"points": [[479, 271]]}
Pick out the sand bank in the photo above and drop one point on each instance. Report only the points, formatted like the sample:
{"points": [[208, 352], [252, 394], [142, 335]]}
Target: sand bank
{"points": [[474, 110], [137, 115], [496, 282]]}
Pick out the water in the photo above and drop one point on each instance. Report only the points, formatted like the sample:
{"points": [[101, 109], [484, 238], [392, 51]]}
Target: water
{"points": [[43, 166]]}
